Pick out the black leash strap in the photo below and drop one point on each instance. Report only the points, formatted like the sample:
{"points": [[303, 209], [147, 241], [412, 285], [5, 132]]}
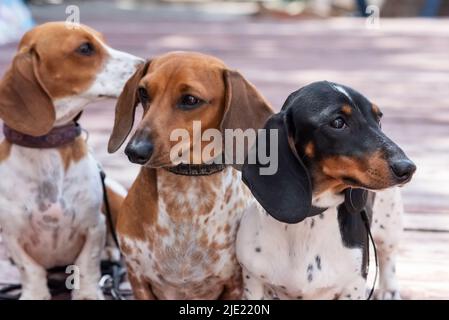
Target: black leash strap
{"points": [[368, 229], [108, 208], [355, 202]]}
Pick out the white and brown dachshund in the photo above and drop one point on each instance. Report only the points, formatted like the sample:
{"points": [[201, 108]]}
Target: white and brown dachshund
{"points": [[50, 189]]}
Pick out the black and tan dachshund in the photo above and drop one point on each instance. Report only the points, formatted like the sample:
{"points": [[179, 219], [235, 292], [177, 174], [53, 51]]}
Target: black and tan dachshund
{"points": [[306, 237]]}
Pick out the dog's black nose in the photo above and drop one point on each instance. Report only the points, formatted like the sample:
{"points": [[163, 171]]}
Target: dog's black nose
{"points": [[403, 169], [139, 151]]}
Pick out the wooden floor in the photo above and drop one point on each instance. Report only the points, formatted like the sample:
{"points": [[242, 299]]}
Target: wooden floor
{"points": [[403, 67]]}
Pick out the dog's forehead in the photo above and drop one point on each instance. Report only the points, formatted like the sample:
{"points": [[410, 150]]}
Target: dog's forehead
{"points": [[186, 60], [323, 94], [57, 32], [185, 67]]}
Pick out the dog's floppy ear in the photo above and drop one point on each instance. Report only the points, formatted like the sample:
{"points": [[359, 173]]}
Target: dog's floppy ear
{"points": [[245, 107], [287, 194], [125, 109], [25, 104]]}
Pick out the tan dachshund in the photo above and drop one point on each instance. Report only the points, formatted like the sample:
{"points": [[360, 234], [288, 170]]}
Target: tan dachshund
{"points": [[178, 224]]}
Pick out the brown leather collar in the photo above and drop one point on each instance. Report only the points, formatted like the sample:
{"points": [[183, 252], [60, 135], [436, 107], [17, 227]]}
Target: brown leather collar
{"points": [[57, 137], [196, 169]]}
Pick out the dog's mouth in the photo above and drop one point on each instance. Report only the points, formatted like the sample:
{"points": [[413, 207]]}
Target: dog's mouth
{"points": [[375, 183], [159, 161]]}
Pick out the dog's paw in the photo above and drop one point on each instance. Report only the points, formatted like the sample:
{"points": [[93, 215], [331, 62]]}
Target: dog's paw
{"points": [[387, 294], [87, 295], [35, 295]]}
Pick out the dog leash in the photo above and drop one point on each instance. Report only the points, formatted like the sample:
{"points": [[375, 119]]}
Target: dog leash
{"points": [[370, 235], [360, 206], [111, 280], [107, 207]]}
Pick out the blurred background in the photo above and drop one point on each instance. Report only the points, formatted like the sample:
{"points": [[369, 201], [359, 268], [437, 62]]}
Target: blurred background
{"points": [[394, 52]]}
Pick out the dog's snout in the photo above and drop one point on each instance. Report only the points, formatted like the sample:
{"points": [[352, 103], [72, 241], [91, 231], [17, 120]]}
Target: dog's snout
{"points": [[403, 169], [139, 151]]}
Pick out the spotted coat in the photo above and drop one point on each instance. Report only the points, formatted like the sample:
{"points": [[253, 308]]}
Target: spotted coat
{"points": [[182, 245]]}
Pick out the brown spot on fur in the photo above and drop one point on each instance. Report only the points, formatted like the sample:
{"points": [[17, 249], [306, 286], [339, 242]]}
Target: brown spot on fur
{"points": [[35, 238], [5, 150], [73, 152], [347, 110], [310, 150], [233, 288], [375, 109], [50, 219], [141, 288], [217, 246], [197, 257], [204, 240], [125, 248], [162, 231], [178, 206], [228, 195]]}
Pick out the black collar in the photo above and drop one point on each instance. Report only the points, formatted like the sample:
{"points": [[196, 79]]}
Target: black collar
{"points": [[196, 169], [57, 137]]}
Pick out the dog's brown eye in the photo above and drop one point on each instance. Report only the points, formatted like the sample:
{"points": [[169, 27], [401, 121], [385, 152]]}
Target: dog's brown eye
{"points": [[189, 102], [338, 123], [86, 49], [143, 95]]}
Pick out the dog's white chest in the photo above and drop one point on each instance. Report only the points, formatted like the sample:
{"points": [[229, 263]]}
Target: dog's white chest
{"points": [[46, 206], [302, 261]]}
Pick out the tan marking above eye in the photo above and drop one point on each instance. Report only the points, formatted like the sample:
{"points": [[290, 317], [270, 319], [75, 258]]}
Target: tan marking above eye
{"points": [[376, 110], [347, 110], [310, 150]]}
